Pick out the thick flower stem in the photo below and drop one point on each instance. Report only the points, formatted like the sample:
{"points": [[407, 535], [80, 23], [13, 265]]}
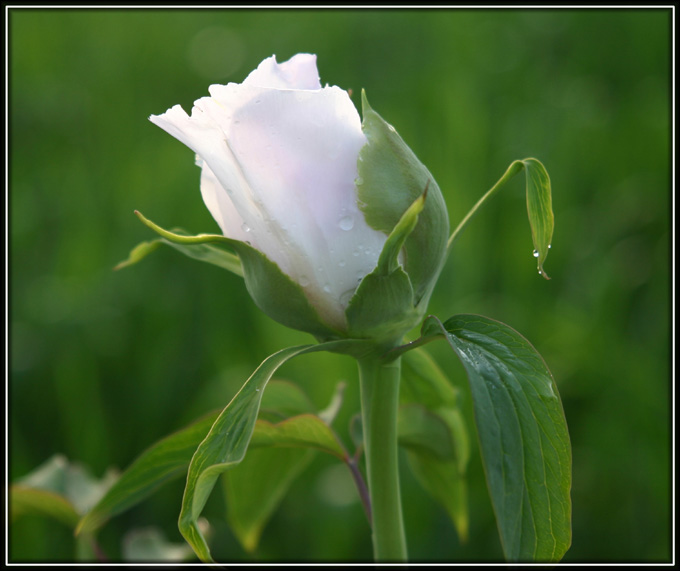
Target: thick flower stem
{"points": [[379, 404]]}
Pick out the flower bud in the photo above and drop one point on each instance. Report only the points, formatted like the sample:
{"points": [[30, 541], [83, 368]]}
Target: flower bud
{"points": [[309, 195]]}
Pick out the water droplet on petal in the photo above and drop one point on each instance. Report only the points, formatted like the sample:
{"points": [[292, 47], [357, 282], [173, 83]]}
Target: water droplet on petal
{"points": [[346, 223], [536, 254], [245, 227], [327, 288], [549, 246], [342, 263], [304, 281], [359, 181]]}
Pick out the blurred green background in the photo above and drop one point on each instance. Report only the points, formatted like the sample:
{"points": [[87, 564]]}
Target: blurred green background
{"points": [[104, 363]]}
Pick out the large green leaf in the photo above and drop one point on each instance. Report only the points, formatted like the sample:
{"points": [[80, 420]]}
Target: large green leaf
{"points": [[522, 433]]}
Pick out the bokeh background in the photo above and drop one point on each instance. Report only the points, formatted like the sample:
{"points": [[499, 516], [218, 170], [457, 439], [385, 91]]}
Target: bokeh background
{"points": [[103, 363]]}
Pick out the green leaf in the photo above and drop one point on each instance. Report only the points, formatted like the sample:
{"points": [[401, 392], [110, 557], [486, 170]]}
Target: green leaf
{"points": [[303, 431], [539, 208], [277, 454], [522, 433], [257, 485], [227, 442], [443, 481], [433, 431], [163, 461]]}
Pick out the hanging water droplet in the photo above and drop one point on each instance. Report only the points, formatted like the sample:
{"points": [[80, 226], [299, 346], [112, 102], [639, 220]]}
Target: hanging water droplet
{"points": [[536, 254], [245, 227], [346, 223]]}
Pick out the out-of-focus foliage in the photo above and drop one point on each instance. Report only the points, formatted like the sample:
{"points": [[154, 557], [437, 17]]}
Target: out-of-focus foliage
{"points": [[103, 364]]}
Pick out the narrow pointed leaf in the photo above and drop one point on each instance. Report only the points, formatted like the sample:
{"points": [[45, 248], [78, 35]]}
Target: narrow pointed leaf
{"points": [[522, 433], [227, 442]]}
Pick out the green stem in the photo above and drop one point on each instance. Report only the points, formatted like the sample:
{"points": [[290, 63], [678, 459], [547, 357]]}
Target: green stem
{"points": [[379, 405], [513, 169]]}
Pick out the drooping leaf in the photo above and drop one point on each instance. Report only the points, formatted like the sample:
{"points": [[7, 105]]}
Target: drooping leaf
{"points": [[522, 432], [283, 443], [539, 208], [227, 442]]}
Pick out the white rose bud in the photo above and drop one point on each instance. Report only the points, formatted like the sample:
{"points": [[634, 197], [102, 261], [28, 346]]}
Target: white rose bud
{"points": [[288, 170]]}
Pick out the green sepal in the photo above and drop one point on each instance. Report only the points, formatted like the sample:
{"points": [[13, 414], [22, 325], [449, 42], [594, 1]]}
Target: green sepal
{"points": [[210, 253], [390, 179], [272, 290], [383, 307]]}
